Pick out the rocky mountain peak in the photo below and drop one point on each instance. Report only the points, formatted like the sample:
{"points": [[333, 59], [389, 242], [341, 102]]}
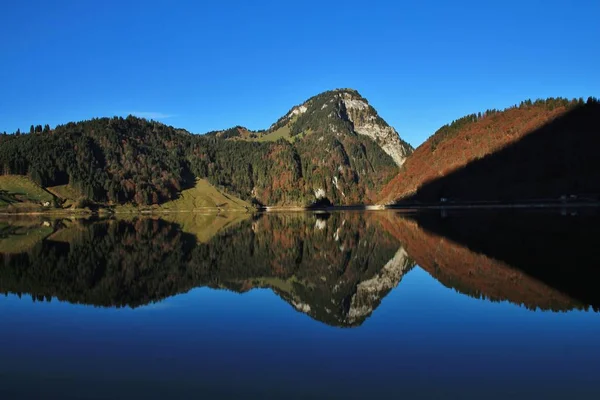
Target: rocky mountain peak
{"points": [[342, 110], [338, 112]]}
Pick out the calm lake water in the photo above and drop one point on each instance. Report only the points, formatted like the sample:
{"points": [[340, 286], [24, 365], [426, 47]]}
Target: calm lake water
{"points": [[342, 305]]}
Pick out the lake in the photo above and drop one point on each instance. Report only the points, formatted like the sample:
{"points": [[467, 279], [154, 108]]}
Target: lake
{"points": [[440, 304]]}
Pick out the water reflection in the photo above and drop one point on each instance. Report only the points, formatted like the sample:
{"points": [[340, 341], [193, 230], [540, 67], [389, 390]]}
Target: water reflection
{"points": [[335, 267], [476, 274], [543, 250]]}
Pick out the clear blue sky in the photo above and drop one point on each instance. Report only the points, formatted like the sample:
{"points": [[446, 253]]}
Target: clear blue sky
{"points": [[205, 65]]}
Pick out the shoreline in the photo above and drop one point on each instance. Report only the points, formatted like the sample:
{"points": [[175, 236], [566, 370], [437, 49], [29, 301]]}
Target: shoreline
{"points": [[474, 206], [280, 209], [373, 207]]}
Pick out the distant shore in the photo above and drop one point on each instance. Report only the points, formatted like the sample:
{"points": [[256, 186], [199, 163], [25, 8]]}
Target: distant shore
{"points": [[322, 208], [281, 209]]}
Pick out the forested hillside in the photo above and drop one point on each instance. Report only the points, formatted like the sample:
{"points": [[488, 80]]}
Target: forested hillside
{"points": [[132, 160], [536, 150]]}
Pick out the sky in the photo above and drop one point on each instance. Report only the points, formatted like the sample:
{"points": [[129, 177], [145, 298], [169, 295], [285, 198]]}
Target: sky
{"points": [[208, 65]]}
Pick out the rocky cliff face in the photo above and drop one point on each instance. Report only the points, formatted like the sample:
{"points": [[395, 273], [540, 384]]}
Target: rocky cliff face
{"points": [[367, 122]]}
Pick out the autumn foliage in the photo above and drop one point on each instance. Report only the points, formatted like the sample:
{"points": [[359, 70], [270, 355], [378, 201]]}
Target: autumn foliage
{"points": [[476, 137]]}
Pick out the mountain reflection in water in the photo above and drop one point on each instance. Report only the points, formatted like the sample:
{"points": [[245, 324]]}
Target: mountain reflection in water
{"points": [[334, 267]]}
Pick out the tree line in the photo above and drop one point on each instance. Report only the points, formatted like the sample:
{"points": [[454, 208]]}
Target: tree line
{"points": [[132, 160]]}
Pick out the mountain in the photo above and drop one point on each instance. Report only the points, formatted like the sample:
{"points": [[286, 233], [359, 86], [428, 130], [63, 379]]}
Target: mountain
{"points": [[341, 111], [342, 149], [332, 149], [545, 149]]}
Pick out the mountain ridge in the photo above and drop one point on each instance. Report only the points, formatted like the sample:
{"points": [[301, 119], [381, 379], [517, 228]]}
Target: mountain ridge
{"points": [[332, 149], [529, 137], [315, 157]]}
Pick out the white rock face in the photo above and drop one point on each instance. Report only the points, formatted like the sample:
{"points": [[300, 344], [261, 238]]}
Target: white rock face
{"points": [[370, 291], [354, 104], [297, 111], [366, 123], [334, 180], [390, 142], [320, 193]]}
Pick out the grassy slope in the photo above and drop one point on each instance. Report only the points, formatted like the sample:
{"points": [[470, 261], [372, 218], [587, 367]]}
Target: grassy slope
{"points": [[22, 189], [204, 196], [283, 132], [66, 193]]}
